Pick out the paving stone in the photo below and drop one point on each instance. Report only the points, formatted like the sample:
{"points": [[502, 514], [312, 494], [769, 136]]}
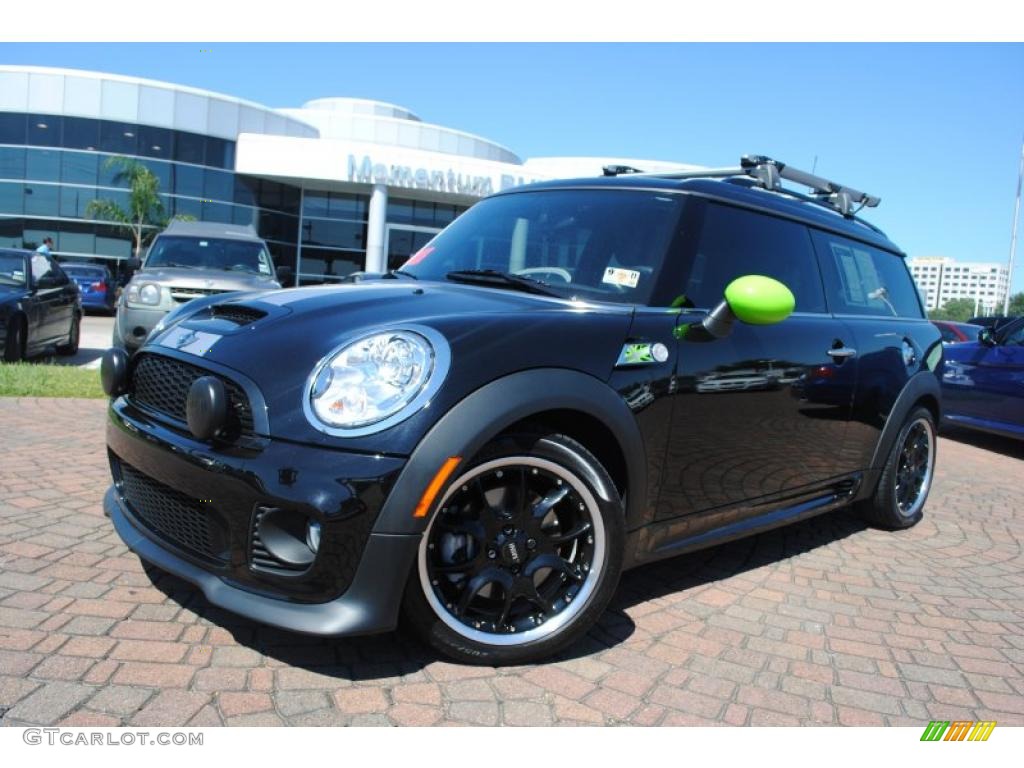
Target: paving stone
{"points": [[120, 700], [49, 703], [170, 707], [820, 623], [291, 703]]}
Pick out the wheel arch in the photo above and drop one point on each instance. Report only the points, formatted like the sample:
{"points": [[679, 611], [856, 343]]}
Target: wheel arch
{"points": [[922, 389], [577, 404]]}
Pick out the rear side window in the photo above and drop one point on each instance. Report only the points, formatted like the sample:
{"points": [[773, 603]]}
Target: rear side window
{"points": [[862, 280], [735, 242]]}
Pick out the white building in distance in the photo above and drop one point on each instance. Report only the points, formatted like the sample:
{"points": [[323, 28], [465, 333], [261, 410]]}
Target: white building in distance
{"points": [[940, 279]]}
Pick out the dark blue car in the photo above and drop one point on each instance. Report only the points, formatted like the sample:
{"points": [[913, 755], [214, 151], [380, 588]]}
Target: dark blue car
{"points": [[983, 381], [96, 285]]}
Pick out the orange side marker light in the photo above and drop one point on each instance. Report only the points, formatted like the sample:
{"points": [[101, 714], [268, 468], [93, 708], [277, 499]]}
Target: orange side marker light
{"points": [[435, 485]]}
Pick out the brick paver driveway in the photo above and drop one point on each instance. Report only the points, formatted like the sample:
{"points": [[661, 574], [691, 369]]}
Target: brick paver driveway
{"points": [[821, 623]]}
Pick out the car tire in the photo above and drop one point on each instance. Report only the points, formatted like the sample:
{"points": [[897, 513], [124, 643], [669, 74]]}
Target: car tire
{"points": [[898, 500], [74, 336], [14, 348], [525, 503]]}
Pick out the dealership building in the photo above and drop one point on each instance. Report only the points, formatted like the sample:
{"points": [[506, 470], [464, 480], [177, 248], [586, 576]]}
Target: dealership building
{"points": [[334, 186]]}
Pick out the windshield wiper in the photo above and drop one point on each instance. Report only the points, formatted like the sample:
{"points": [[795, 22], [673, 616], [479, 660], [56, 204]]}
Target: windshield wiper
{"points": [[494, 277], [394, 274]]}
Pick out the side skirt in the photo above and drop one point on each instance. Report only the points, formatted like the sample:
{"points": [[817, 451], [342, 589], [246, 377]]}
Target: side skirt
{"points": [[690, 534]]}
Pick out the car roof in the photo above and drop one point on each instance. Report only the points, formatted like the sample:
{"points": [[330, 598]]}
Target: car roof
{"points": [[211, 229], [15, 251], [82, 265], [736, 190]]}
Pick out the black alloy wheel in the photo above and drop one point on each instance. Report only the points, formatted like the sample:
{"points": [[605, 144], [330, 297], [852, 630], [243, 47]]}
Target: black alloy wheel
{"points": [[898, 501], [522, 554]]}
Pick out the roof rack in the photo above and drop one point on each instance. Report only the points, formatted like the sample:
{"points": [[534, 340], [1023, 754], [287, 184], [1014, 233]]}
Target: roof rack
{"points": [[769, 173]]}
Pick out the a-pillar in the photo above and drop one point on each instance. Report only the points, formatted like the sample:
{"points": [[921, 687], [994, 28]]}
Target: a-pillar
{"points": [[376, 259]]}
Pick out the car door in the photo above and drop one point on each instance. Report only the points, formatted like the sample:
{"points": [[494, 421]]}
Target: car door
{"points": [[871, 292], [762, 412], [985, 382], [47, 299], [66, 302]]}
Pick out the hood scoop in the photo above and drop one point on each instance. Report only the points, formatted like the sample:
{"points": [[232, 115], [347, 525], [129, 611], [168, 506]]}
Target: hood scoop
{"points": [[239, 314]]}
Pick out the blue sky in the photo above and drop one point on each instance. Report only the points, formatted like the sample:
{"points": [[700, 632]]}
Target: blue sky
{"points": [[934, 129]]}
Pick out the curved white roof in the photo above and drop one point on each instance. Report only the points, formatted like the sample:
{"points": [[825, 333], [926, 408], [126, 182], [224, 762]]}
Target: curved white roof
{"points": [[103, 96]]}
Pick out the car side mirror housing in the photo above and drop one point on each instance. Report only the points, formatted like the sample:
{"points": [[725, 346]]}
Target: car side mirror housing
{"points": [[752, 299], [987, 337], [285, 275], [132, 265]]}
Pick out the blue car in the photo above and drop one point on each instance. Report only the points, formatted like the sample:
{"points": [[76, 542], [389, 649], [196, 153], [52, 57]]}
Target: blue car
{"points": [[983, 381], [96, 285]]}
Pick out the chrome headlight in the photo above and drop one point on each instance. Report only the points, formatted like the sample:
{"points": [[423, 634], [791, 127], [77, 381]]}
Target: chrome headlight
{"points": [[148, 294], [376, 381]]}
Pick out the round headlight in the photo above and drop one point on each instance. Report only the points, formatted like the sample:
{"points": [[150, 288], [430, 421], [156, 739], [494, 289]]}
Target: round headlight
{"points": [[149, 294], [378, 380], [143, 293]]}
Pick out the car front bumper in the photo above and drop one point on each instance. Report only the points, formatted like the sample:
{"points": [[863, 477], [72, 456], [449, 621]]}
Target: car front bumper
{"points": [[356, 581]]}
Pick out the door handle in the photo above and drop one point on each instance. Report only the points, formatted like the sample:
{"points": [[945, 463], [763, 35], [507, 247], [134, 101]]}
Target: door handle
{"points": [[841, 353]]}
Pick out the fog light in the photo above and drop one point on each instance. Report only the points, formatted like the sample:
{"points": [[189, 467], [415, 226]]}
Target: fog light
{"points": [[114, 372], [313, 536]]}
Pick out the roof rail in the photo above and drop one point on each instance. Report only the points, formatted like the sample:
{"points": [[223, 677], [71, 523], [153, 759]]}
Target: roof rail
{"points": [[769, 173]]}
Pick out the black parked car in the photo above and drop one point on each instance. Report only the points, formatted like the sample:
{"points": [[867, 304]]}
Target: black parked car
{"points": [[551, 391], [39, 306]]}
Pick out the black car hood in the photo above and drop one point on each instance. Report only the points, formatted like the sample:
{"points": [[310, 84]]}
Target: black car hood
{"points": [[491, 332]]}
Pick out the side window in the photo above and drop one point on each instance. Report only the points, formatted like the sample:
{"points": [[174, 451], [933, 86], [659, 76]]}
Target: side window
{"points": [[1015, 337], [947, 333], [862, 280], [59, 275], [736, 242]]}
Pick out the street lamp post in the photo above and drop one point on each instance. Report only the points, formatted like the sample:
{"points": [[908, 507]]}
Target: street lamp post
{"points": [[1013, 237]]}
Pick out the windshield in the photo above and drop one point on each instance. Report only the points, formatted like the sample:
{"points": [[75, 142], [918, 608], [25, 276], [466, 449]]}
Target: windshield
{"points": [[604, 245], [12, 270], [209, 253]]}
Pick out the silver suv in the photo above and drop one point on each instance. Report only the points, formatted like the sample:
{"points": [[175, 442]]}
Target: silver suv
{"points": [[188, 260]]}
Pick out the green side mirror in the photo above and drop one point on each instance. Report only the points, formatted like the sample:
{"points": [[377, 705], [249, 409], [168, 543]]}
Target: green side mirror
{"points": [[754, 299], [759, 300]]}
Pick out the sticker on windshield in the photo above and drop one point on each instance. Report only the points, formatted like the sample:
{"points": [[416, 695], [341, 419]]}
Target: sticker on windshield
{"points": [[419, 256], [624, 277]]}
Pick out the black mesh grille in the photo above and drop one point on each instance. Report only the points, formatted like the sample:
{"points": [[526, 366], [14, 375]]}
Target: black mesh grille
{"points": [[162, 383], [237, 313], [175, 516]]}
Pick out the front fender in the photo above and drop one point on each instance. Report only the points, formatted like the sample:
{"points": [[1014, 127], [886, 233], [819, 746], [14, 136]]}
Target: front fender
{"points": [[482, 415]]}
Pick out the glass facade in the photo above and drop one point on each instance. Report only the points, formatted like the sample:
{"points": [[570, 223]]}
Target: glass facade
{"points": [[333, 235], [52, 166]]}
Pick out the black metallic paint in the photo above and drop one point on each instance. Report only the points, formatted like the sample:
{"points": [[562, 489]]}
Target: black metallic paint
{"points": [[723, 439]]}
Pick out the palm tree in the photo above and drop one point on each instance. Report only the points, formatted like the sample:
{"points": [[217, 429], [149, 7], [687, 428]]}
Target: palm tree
{"points": [[145, 215]]}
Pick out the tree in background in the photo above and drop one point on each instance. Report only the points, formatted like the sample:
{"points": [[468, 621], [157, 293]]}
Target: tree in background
{"points": [[1016, 305], [145, 215], [957, 310]]}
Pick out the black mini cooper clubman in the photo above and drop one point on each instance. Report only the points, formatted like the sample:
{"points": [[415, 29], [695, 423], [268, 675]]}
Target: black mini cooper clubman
{"points": [[574, 378]]}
